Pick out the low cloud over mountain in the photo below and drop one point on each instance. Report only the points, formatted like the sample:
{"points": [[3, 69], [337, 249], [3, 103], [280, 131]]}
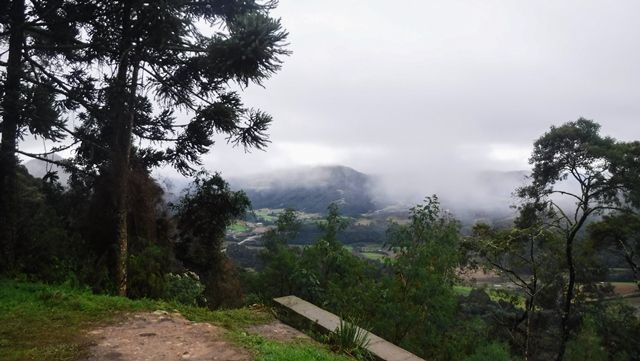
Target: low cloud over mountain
{"points": [[311, 189]]}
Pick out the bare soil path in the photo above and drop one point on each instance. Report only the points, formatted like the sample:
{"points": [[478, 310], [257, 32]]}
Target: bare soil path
{"points": [[161, 336]]}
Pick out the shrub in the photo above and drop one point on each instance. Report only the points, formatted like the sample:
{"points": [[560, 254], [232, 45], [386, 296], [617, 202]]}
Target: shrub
{"points": [[350, 339], [184, 288], [587, 345], [490, 352]]}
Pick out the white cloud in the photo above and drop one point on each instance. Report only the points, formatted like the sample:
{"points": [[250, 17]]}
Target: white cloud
{"points": [[513, 154]]}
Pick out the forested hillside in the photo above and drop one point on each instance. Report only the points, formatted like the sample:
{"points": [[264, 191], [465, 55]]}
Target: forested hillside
{"points": [[312, 190]]}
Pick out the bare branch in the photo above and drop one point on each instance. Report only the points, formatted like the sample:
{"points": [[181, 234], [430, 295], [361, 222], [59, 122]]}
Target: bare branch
{"points": [[562, 213], [58, 149], [65, 165], [567, 194]]}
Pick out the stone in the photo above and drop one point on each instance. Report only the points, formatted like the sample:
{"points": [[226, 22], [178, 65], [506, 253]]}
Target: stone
{"points": [[378, 347]]}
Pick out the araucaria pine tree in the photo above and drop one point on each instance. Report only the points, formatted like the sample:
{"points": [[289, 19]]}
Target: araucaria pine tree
{"points": [[163, 56]]}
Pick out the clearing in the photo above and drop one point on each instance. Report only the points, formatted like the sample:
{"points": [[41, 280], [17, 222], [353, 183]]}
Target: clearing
{"points": [[162, 336], [59, 323]]}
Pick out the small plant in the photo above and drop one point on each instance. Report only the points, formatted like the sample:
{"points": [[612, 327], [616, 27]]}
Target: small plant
{"points": [[184, 288], [350, 339]]}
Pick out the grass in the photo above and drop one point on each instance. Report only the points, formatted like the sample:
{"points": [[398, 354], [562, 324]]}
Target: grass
{"points": [[39, 322], [374, 256], [237, 320], [270, 215], [267, 214], [48, 323], [462, 290], [495, 295], [267, 350], [234, 319], [239, 227]]}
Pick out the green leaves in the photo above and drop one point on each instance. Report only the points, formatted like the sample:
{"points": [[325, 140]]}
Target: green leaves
{"points": [[574, 162], [184, 66], [418, 283], [202, 217], [575, 148]]}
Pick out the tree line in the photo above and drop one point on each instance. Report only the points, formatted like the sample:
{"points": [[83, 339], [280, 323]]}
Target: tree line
{"points": [[580, 202]]}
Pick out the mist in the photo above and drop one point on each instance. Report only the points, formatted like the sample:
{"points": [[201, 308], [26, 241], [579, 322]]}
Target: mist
{"points": [[430, 97]]}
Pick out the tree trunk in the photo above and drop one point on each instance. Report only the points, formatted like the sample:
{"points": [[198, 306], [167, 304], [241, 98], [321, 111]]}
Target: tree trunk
{"points": [[529, 329], [568, 300], [531, 302], [10, 122], [121, 190], [566, 312], [121, 104]]}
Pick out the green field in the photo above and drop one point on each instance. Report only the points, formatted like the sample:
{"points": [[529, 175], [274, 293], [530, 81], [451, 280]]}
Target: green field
{"points": [[267, 215], [495, 295], [239, 227], [374, 256], [270, 215], [462, 290]]}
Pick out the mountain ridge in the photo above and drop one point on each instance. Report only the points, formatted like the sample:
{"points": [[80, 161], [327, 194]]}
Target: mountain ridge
{"points": [[311, 189]]}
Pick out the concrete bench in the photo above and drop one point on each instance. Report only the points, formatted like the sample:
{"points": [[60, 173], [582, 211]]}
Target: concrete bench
{"points": [[328, 322]]}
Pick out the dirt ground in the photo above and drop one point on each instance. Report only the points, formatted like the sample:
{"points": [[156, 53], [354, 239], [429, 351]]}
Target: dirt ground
{"points": [[624, 289], [278, 331], [162, 336]]}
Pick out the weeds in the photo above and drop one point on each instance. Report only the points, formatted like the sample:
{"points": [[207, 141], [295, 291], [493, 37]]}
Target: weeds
{"points": [[350, 339]]}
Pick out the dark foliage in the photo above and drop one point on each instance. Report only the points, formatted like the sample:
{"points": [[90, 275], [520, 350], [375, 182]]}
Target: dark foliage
{"points": [[202, 216]]}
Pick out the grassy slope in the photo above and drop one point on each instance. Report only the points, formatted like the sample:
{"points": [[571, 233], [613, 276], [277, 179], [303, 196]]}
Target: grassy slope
{"points": [[40, 322]]}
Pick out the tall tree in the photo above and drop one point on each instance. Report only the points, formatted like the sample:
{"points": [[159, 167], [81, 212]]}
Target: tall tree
{"points": [[281, 262], [163, 56], [528, 258], [40, 35], [573, 164], [203, 214], [418, 299]]}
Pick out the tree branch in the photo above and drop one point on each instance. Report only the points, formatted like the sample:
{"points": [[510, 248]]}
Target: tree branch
{"points": [[564, 215], [64, 165], [567, 194]]}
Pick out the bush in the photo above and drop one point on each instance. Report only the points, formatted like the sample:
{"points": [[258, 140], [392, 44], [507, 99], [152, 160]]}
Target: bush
{"points": [[147, 271], [185, 288], [587, 346], [490, 352]]}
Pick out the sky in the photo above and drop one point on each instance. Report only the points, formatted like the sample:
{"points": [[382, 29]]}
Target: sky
{"points": [[416, 88], [427, 92]]}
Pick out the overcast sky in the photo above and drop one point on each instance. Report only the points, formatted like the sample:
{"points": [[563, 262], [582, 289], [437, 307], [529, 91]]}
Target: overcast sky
{"points": [[418, 89]]}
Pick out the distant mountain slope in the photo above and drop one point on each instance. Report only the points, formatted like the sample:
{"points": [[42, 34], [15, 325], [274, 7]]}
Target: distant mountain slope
{"points": [[311, 189], [39, 168]]}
